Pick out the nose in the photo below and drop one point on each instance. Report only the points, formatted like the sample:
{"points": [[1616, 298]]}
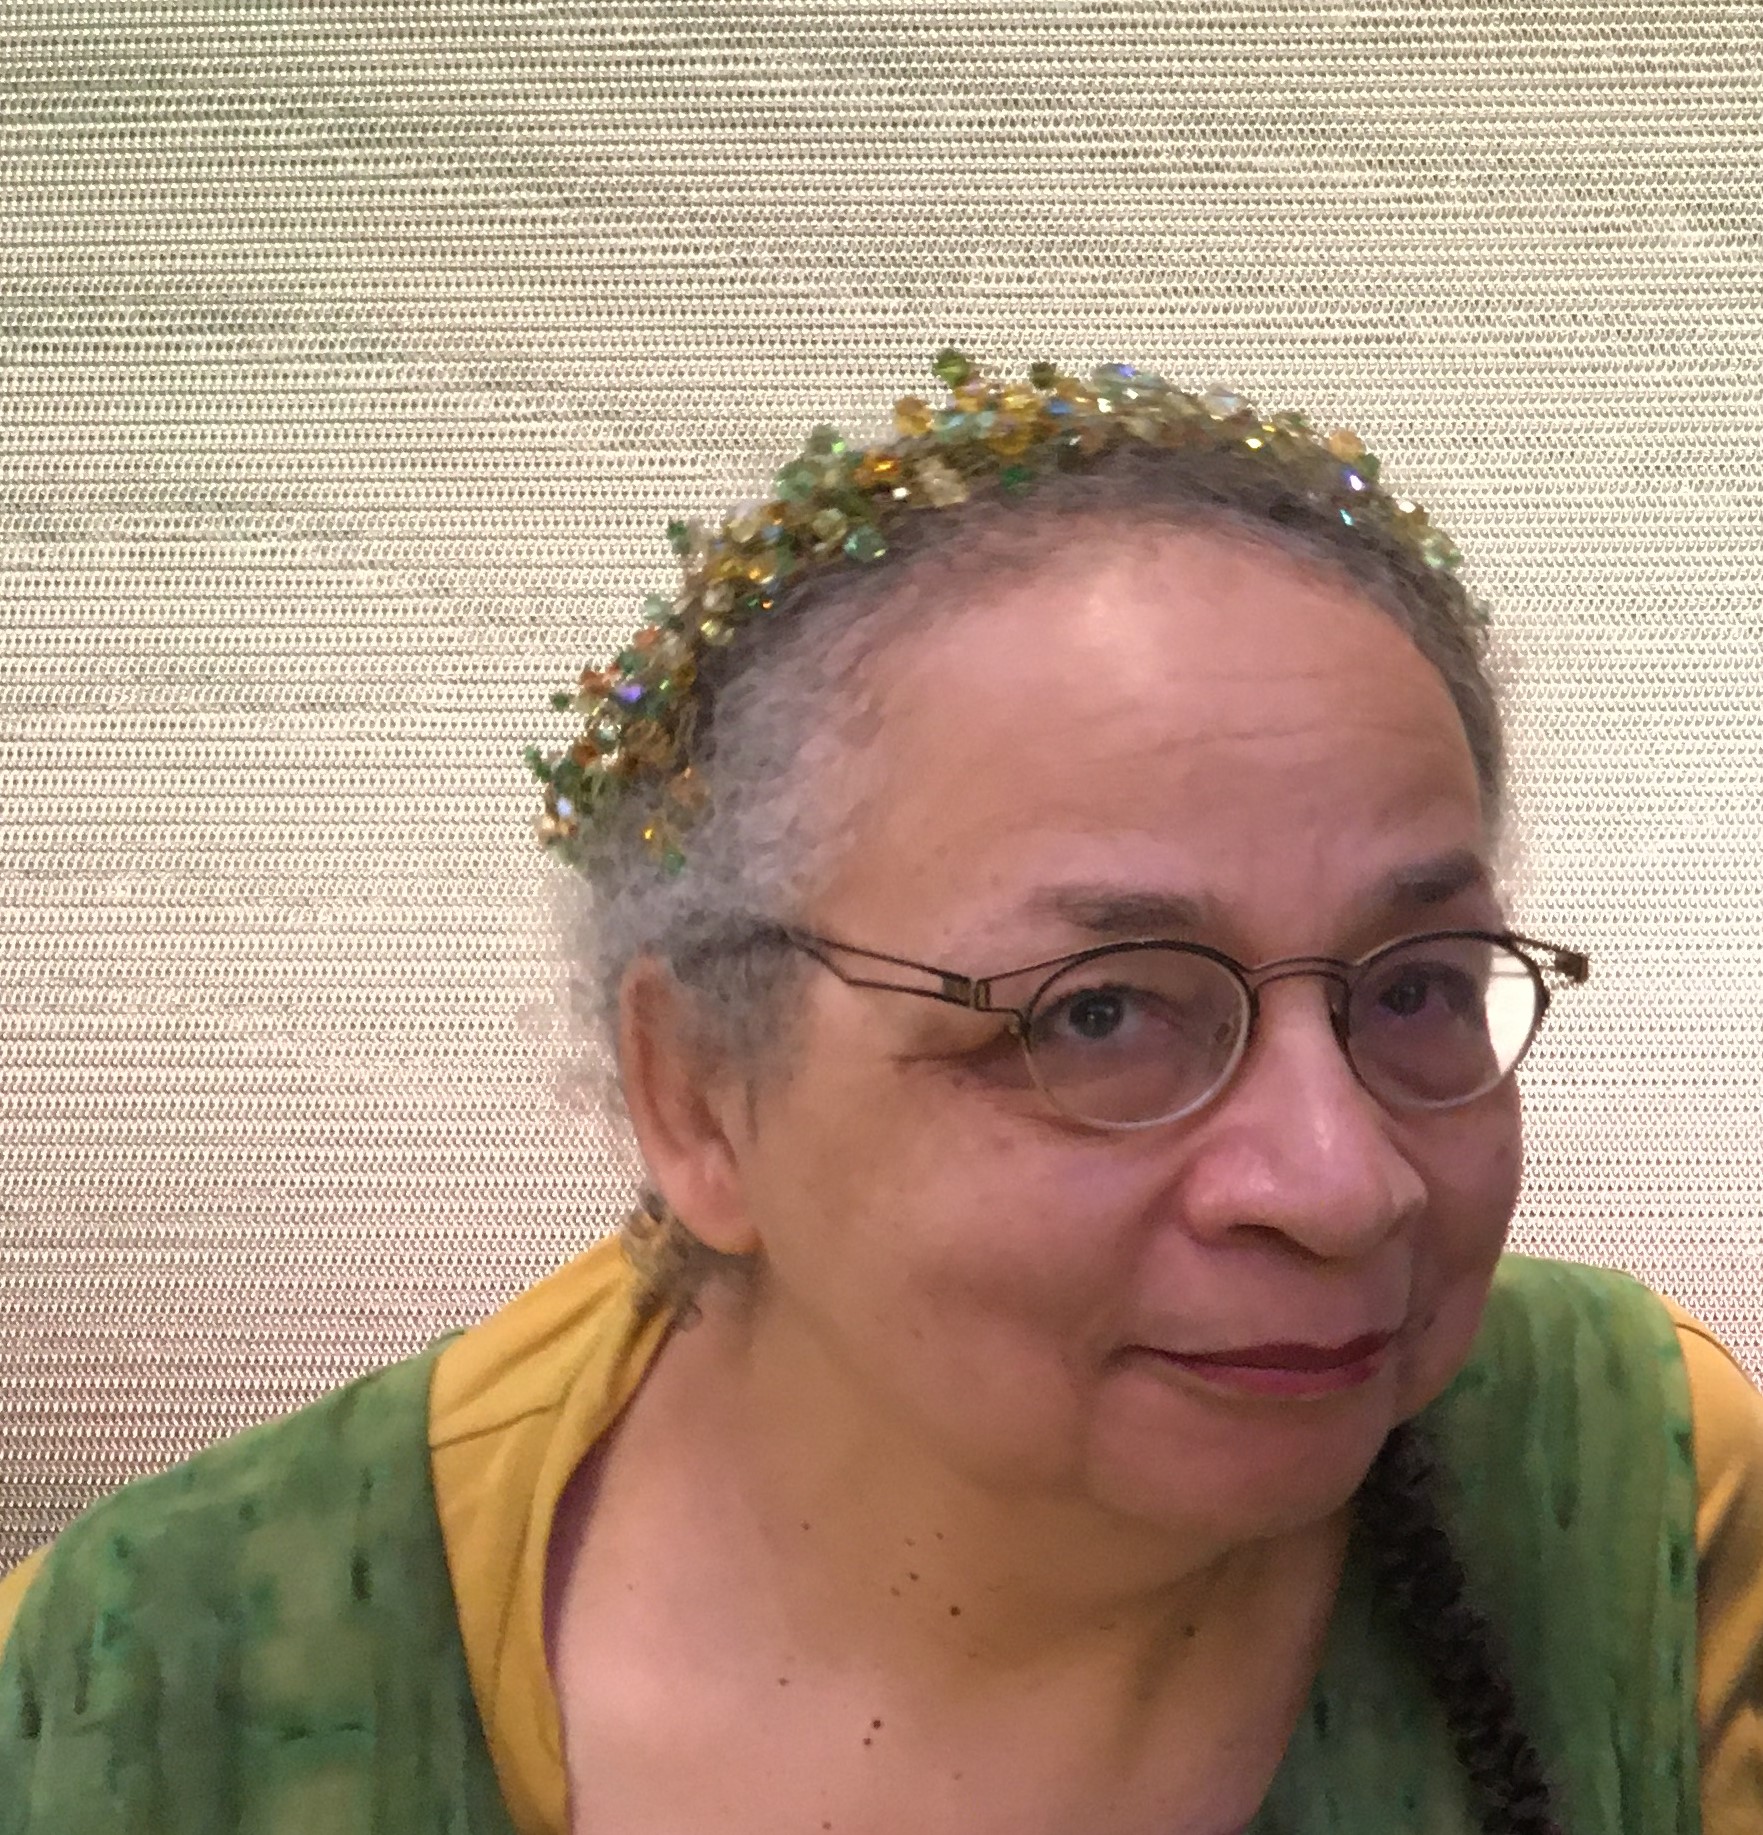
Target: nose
{"points": [[1297, 1147]]}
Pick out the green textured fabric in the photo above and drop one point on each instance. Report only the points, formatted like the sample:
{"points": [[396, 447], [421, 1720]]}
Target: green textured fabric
{"points": [[1571, 1501], [261, 1640]]}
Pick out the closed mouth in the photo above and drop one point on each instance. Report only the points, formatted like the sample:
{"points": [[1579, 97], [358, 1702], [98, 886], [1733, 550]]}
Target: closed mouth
{"points": [[1291, 1370], [1292, 1356]]}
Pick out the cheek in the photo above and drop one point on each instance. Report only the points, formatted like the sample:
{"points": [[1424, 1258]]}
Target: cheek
{"points": [[900, 1215], [1473, 1174]]}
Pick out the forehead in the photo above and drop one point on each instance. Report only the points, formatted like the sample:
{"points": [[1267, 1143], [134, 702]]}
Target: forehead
{"points": [[1181, 710]]}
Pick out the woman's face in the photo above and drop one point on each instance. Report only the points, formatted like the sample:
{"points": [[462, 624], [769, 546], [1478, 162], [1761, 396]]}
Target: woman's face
{"points": [[1170, 733]]}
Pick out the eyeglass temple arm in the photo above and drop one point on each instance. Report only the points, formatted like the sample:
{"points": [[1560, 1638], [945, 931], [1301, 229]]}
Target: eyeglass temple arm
{"points": [[1573, 963], [956, 990]]}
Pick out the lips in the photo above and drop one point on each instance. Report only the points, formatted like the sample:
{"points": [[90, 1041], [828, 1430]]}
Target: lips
{"points": [[1293, 1371], [1300, 1357]]}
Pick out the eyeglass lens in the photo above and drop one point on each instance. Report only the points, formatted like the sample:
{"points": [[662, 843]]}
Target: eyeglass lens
{"points": [[1145, 1034]]}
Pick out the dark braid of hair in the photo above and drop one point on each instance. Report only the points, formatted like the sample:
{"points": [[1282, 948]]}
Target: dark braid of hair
{"points": [[1422, 1579]]}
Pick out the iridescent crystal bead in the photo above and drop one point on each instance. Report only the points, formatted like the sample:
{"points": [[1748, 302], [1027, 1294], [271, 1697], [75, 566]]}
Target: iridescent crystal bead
{"points": [[1115, 380], [630, 661], [940, 483], [798, 481], [829, 524], [952, 366], [657, 608], [714, 632], [745, 525], [629, 694], [865, 543], [1018, 398], [1224, 404], [1438, 550], [606, 736], [564, 808], [876, 468], [1345, 444], [1010, 437], [719, 596], [913, 416], [827, 443]]}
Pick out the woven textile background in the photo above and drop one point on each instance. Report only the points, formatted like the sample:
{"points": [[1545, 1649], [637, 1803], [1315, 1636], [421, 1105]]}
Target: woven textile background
{"points": [[352, 355]]}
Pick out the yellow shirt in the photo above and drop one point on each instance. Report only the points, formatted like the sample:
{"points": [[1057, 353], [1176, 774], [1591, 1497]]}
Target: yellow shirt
{"points": [[518, 1401]]}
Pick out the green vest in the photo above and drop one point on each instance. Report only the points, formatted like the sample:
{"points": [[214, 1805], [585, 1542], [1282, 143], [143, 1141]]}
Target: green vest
{"points": [[264, 1641]]}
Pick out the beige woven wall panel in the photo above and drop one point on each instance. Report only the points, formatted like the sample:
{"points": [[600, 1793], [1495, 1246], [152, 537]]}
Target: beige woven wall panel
{"points": [[351, 358]]}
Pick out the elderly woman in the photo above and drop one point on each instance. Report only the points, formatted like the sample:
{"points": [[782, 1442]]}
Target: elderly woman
{"points": [[1063, 1378]]}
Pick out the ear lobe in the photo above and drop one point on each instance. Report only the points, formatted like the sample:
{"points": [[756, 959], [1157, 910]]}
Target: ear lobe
{"points": [[684, 1105]]}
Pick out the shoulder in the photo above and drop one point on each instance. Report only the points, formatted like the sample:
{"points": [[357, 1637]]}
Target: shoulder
{"points": [[1728, 1409], [1728, 1412], [283, 1597], [517, 1403], [13, 1587], [319, 1460]]}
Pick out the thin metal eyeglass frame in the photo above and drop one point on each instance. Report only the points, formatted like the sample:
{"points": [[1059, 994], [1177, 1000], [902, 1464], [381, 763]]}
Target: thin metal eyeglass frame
{"points": [[974, 993]]}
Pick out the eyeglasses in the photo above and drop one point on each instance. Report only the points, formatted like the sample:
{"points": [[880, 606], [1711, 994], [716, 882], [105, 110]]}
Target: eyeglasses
{"points": [[1128, 1035]]}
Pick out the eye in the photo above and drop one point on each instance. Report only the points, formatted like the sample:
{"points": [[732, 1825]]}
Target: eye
{"points": [[1119, 1015], [1421, 990], [1094, 1015]]}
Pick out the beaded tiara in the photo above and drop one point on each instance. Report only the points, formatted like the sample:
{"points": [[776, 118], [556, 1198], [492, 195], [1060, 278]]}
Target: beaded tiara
{"points": [[834, 506]]}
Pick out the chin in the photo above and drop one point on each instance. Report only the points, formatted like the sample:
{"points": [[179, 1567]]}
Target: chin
{"points": [[1248, 1473]]}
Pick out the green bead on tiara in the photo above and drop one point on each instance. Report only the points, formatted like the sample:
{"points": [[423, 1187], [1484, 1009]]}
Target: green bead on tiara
{"points": [[834, 505]]}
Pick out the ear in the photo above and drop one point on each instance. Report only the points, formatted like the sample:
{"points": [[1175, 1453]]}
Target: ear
{"points": [[687, 1105]]}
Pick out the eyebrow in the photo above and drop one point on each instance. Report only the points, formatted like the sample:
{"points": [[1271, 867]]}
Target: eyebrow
{"points": [[1433, 882], [1107, 911], [1119, 911]]}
